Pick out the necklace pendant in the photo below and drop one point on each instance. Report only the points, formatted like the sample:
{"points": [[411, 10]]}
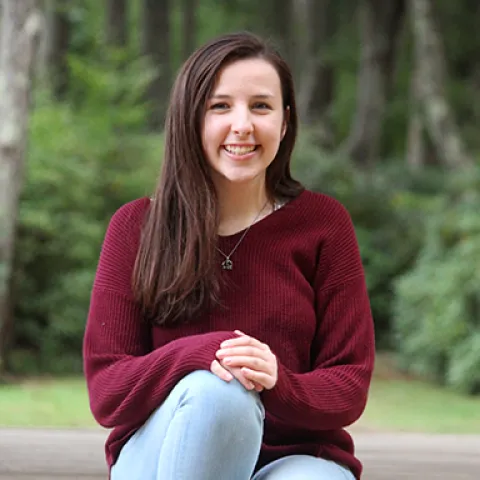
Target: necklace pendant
{"points": [[227, 264]]}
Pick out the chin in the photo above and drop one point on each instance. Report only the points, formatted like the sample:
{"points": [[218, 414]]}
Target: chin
{"points": [[239, 179]]}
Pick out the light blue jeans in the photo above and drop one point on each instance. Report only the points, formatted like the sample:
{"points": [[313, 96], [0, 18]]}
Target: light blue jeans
{"points": [[208, 429]]}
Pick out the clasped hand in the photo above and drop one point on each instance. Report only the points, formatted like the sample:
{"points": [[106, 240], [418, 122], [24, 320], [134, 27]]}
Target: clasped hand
{"points": [[248, 360]]}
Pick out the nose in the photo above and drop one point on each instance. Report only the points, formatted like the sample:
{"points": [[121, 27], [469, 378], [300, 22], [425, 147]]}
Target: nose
{"points": [[242, 124]]}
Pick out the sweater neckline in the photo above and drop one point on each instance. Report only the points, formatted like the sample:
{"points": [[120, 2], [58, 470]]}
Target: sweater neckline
{"points": [[265, 220]]}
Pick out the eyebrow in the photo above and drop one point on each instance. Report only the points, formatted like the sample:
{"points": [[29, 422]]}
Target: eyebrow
{"points": [[263, 96]]}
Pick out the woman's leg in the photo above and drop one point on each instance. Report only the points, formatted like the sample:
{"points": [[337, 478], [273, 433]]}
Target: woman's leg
{"points": [[207, 429], [303, 467]]}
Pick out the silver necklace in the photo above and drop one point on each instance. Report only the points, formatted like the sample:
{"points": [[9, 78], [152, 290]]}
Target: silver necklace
{"points": [[227, 264]]}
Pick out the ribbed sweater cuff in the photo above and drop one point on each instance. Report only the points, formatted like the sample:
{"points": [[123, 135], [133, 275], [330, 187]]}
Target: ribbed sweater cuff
{"points": [[204, 356], [276, 400]]}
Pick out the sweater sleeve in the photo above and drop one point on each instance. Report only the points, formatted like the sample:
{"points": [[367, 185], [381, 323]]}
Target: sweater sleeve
{"points": [[126, 379], [334, 393]]}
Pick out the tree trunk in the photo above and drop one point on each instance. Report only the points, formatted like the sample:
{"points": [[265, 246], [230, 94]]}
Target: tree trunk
{"points": [[316, 78], [279, 27], [60, 27], [283, 20], [156, 44], [380, 24], [475, 78], [416, 128], [20, 28], [475, 75], [313, 31], [438, 115], [189, 18], [117, 23], [44, 42], [322, 97]]}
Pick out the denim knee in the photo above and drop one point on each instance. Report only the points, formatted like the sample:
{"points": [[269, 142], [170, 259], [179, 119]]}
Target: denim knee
{"points": [[230, 401]]}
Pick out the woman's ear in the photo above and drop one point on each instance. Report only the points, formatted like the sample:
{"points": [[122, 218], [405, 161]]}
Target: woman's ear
{"points": [[286, 118]]}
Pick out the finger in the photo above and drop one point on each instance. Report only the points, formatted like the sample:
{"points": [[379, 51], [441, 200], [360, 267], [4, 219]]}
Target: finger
{"points": [[261, 378], [220, 372], [247, 384], [228, 374], [254, 363], [239, 332], [245, 351], [237, 373], [258, 387], [244, 340]]}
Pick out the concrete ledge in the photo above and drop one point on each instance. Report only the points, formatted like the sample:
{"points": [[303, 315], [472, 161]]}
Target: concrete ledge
{"points": [[27, 454], [53, 454]]}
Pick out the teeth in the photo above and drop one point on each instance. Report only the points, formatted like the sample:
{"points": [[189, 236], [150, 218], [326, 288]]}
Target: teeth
{"points": [[239, 150]]}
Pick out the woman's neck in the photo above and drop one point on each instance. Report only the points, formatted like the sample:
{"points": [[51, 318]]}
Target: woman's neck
{"points": [[240, 206]]}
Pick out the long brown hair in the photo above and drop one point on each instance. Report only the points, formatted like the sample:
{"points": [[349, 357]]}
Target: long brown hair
{"points": [[175, 275]]}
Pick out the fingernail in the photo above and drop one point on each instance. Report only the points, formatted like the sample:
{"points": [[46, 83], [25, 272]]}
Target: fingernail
{"points": [[225, 344]]}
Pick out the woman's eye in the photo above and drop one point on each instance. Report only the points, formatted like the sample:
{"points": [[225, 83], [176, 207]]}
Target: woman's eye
{"points": [[261, 106], [219, 106]]}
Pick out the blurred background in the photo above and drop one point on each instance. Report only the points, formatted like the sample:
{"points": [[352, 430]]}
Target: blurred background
{"points": [[389, 103]]}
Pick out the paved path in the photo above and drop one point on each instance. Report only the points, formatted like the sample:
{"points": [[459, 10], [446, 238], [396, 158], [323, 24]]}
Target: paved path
{"points": [[27, 454]]}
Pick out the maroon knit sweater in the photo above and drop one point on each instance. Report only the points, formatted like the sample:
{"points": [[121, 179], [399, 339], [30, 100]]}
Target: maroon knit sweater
{"points": [[297, 284]]}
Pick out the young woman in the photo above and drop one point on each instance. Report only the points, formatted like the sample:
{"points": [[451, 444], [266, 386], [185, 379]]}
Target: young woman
{"points": [[229, 334]]}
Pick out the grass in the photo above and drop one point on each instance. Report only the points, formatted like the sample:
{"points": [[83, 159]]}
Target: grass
{"points": [[52, 403], [413, 406], [396, 404], [399, 402]]}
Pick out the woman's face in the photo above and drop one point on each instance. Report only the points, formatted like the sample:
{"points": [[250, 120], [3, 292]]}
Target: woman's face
{"points": [[244, 122]]}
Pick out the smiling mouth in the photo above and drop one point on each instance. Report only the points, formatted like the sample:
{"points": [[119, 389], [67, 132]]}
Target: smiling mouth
{"points": [[240, 150]]}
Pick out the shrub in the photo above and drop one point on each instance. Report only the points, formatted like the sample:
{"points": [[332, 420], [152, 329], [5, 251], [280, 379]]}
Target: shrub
{"points": [[437, 310]]}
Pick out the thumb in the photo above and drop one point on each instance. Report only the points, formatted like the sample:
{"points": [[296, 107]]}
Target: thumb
{"points": [[238, 332]]}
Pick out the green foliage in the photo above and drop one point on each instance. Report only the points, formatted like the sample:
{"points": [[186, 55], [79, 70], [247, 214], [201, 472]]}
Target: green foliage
{"points": [[86, 158], [437, 309]]}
